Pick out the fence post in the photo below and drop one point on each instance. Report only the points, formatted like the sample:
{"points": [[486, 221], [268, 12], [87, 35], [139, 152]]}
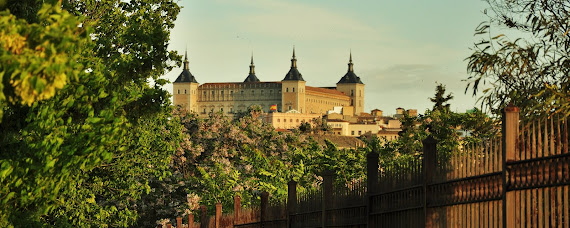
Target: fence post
{"points": [[190, 220], [204, 217], [327, 194], [264, 204], [372, 171], [237, 209], [218, 214], [291, 201], [510, 133], [178, 222], [371, 183], [428, 168]]}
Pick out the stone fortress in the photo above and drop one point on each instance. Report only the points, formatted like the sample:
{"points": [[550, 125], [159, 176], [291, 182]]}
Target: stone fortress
{"points": [[289, 102], [289, 95]]}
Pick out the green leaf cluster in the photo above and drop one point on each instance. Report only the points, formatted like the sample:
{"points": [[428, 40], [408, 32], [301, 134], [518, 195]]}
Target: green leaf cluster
{"points": [[83, 133]]}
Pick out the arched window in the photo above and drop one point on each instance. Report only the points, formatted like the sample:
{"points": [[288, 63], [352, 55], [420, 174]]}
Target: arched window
{"points": [[293, 89], [287, 90], [184, 91], [178, 91], [351, 92]]}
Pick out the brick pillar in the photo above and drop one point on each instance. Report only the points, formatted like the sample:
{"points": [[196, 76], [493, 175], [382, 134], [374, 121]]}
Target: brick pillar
{"points": [[237, 209], [291, 201], [218, 214], [190, 221], [178, 222], [510, 133], [429, 166]]}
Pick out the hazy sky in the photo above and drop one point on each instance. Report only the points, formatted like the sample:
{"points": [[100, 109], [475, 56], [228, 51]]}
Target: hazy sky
{"points": [[400, 48]]}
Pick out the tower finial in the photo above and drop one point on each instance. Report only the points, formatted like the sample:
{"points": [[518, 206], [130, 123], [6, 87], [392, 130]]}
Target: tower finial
{"points": [[186, 59], [251, 66], [350, 64], [294, 59]]}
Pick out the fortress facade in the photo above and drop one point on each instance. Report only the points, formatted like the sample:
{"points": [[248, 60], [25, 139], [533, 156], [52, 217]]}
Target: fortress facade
{"points": [[289, 95]]}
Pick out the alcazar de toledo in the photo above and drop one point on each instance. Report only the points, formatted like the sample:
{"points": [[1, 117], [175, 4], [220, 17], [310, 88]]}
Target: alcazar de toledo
{"points": [[286, 103]]}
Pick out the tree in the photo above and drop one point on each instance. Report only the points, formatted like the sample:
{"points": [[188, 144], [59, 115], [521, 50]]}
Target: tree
{"points": [[440, 99], [37, 60], [526, 62], [65, 157]]}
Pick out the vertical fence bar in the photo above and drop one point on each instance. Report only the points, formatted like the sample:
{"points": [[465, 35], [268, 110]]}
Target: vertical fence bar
{"points": [[429, 166], [264, 204], [510, 134], [372, 159], [328, 176], [237, 209], [203, 217], [291, 201]]}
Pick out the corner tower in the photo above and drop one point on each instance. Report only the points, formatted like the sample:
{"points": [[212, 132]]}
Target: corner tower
{"points": [[293, 89], [351, 85], [185, 89]]}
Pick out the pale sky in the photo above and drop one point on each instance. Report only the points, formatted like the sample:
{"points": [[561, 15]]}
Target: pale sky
{"points": [[400, 48]]}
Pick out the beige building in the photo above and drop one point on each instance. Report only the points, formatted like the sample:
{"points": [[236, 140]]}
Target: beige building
{"points": [[289, 120], [289, 94]]}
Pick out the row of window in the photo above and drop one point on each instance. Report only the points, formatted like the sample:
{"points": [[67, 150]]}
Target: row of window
{"points": [[359, 133], [186, 91], [325, 102], [290, 120], [352, 92], [293, 90], [242, 92]]}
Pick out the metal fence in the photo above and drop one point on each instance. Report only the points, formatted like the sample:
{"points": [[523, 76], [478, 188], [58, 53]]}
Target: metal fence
{"points": [[520, 179]]}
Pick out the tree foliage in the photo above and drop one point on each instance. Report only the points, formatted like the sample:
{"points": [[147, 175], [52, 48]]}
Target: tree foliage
{"points": [[83, 155], [523, 57]]}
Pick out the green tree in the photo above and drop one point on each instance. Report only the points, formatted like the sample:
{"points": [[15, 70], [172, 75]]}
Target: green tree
{"points": [[83, 155], [37, 60], [440, 98], [523, 57]]}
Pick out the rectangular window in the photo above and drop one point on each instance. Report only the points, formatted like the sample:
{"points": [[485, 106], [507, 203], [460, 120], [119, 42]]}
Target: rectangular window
{"points": [[352, 132], [359, 132]]}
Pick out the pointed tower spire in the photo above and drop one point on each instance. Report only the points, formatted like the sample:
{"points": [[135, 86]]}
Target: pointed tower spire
{"points": [[251, 77], [293, 74], [294, 59], [350, 76], [186, 76], [251, 66], [186, 60], [350, 64]]}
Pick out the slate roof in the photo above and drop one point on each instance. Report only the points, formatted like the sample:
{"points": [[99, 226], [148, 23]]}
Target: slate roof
{"points": [[350, 77], [293, 75], [186, 76], [251, 78]]}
